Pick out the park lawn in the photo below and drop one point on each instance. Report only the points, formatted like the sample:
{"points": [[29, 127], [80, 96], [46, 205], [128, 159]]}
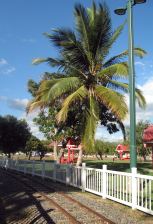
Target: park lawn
{"points": [[118, 165], [121, 165]]}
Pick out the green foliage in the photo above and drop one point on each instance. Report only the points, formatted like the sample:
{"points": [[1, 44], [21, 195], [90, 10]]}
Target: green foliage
{"points": [[140, 126], [32, 87], [104, 148], [91, 81], [46, 119], [34, 144], [13, 134]]}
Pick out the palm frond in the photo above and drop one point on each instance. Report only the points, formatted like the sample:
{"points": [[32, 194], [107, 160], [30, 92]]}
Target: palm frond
{"points": [[78, 95], [118, 86], [114, 101], [94, 30], [58, 87], [122, 127], [92, 14], [115, 70], [51, 61], [71, 49], [116, 34], [34, 104], [125, 88], [38, 61], [44, 88], [140, 98], [100, 31], [82, 25], [139, 52]]}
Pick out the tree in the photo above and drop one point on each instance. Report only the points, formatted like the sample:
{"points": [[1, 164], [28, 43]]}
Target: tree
{"points": [[102, 148], [92, 82], [13, 134], [140, 126], [34, 144], [46, 119]]}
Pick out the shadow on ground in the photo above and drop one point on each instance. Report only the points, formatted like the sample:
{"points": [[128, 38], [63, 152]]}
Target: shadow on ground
{"points": [[18, 204]]}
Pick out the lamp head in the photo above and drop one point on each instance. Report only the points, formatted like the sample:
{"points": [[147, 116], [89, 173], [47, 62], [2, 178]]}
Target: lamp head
{"points": [[139, 1], [120, 11]]}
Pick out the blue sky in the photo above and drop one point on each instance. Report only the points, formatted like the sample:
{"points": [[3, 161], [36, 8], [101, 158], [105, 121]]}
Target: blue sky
{"points": [[23, 23]]}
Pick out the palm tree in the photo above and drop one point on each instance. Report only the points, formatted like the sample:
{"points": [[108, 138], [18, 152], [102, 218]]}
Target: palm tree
{"points": [[92, 81]]}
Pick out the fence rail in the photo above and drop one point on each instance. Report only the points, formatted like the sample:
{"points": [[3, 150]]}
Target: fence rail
{"points": [[132, 189]]}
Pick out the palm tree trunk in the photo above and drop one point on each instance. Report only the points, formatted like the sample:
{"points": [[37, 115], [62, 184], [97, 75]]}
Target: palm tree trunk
{"points": [[79, 160], [55, 150], [60, 155]]}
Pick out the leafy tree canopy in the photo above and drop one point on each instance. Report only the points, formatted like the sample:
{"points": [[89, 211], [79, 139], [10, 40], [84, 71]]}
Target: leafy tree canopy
{"points": [[92, 82], [104, 148], [34, 144], [13, 134], [46, 119], [140, 126]]}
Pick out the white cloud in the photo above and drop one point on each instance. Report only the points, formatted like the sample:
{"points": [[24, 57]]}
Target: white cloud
{"points": [[139, 63], [147, 113], [104, 135], [8, 70], [143, 71], [33, 127], [147, 90], [3, 62], [3, 98], [18, 104], [5, 67]]}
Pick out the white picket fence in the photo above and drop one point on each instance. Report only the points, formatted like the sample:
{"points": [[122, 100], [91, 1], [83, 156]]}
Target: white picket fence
{"points": [[132, 189]]}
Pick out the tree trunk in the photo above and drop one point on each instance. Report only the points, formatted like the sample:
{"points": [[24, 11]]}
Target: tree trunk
{"points": [[55, 150], [30, 153], [60, 155], [97, 156], [101, 156], [144, 155], [79, 160], [55, 146]]}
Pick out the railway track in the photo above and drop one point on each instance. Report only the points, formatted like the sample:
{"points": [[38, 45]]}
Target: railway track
{"points": [[73, 210]]}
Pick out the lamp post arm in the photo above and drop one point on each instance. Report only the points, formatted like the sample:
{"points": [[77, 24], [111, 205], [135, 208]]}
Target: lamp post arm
{"points": [[133, 153]]}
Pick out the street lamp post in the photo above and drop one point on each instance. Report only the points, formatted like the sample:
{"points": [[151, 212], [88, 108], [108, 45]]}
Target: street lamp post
{"points": [[122, 11]]}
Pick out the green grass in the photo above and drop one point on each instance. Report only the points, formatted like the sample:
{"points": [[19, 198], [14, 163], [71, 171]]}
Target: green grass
{"points": [[120, 165]]}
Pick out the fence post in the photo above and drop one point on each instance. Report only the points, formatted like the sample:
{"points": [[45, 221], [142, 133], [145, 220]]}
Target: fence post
{"points": [[25, 167], [134, 188], [33, 167], [68, 174], [6, 163], [54, 172], [43, 169], [83, 177], [104, 182]]}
